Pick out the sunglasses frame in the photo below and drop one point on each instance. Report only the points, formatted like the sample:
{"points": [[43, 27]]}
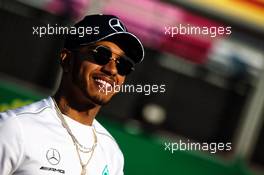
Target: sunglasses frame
{"points": [[95, 50]]}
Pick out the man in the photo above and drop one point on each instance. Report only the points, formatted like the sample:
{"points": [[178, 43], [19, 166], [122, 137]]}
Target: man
{"points": [[60, 135]]}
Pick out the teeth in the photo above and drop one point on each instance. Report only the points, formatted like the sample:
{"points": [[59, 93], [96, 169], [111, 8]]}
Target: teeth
{"points": [[106, 84]]}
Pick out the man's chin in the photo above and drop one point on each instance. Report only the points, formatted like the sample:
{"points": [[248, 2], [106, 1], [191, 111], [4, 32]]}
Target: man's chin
{"points": [[101, 99]]}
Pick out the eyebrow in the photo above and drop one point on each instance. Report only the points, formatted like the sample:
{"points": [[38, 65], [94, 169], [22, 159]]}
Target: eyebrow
{"points": [[113, 51]]}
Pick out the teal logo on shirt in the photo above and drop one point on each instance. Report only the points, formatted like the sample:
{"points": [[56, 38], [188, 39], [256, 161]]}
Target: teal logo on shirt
{"points": [[105, 171]]}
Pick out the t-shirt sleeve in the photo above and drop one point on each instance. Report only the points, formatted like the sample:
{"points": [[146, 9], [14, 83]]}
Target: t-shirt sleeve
{"points": [[11, 150], [119, 163]]}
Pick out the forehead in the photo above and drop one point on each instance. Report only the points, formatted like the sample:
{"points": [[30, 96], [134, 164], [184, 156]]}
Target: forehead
{"points": [[113, 46]]}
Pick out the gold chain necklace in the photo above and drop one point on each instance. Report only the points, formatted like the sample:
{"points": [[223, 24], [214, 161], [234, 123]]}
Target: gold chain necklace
{"points": [[79, 148]]}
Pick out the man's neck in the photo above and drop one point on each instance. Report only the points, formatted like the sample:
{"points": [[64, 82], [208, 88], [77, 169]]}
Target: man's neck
{"points": [[81, 112]]}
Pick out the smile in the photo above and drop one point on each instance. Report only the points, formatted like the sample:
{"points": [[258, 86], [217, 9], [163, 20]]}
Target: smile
{"points": [[104, 83]]}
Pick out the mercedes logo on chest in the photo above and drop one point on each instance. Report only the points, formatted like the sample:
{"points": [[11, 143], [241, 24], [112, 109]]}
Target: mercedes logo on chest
{"points": [[53, 156]]}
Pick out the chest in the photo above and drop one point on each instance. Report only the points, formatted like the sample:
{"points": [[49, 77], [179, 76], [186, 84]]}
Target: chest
{"points": [[51, 152]]}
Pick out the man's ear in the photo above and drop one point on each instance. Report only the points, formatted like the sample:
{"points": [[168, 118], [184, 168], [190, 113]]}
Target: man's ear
{"points": [[66, 59]]}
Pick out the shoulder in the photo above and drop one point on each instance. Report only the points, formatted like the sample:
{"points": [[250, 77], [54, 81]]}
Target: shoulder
{"points": [[34, 108], [102, 131], [14, 128], [106, 138], [26, 114]]}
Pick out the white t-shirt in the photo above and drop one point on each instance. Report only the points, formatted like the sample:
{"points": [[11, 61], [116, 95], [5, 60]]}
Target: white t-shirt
{"points": [[34, 142]]}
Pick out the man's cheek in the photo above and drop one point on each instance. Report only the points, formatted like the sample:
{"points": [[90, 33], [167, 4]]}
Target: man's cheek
{"points": [[121, 80]]}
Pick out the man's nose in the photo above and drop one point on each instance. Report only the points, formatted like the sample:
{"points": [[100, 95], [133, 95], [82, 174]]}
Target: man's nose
{"points": [[110, 68]]}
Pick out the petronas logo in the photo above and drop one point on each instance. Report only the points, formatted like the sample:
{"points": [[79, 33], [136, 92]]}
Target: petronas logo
{"points": [[105, 171]]}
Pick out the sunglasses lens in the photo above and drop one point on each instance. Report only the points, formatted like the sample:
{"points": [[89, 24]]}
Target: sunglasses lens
{"points": [[102, 55], [124, 67]]}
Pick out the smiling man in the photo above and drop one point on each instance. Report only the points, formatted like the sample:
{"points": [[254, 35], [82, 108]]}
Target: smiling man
{"points": [[60, 135]]}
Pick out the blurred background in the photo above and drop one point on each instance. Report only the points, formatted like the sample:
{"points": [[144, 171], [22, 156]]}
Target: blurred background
{"points": [[214, 85]]}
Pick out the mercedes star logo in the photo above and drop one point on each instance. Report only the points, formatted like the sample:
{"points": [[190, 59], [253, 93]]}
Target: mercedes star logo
{"points": [[53, 156], [117, 25]]}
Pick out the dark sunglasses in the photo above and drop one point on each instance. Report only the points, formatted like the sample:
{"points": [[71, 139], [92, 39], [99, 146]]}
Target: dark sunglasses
{"points": [[102, 55]]}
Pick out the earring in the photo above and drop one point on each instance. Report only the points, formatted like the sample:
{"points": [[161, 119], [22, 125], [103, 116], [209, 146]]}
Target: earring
{"points": [[63, 56]]}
